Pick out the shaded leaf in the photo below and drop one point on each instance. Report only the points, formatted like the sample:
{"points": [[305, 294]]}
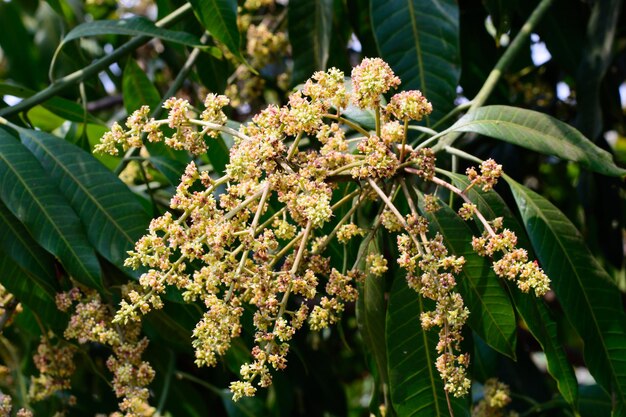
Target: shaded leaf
{"points": [[538, 132], [219, 18], [18, 245], [585, 291], [415, 385], [536, 314], [500, 13], [18, 48], [112, 216], [564, 41], [218, 154], [420, 40], [594, 402], [32, 197], [491, 313], [28, 291], [310, 28], [137, 89]]}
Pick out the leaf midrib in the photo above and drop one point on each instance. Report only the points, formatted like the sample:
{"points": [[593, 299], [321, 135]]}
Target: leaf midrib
{"points": [[46, 215], [89, 195], [575, 271]]}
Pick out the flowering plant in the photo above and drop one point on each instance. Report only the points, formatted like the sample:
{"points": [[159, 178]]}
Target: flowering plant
{"points": [[229, 235]]}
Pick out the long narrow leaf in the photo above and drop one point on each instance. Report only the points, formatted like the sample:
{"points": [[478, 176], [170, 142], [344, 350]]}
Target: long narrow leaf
{"points": [[219, 18], [371, 308], [420, 40], [27, 190], [62, 107], [26, 290], [536, 314], [112, 216], [589, 299], [310, 27], [538, 132]]}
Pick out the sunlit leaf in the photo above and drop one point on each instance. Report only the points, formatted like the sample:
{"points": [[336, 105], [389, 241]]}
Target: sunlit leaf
{"points": [[134, 26], [538, 132], [61, 107]]}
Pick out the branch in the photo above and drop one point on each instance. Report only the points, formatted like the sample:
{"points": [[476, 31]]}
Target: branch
{"points": [[94, 68]]}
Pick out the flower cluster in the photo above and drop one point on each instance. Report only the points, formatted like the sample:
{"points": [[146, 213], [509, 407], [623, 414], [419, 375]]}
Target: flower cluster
{"points": [[496, 396], [266, 45], [189, 132], [490, 171], [225, 247], [409, 105], [514, 264], [56, 365], [372, 78], [6, 406], [92, 321], [430, 271]]}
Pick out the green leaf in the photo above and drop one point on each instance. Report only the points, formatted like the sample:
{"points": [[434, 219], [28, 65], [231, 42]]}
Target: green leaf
{"points": [[219, 18], [594, 402], [491, 313], [112, 216], [310, 28], [538, 132], [17, 244], [20, 55], [218, 154], [371, 309], [64, 108], [34, 199], [415, 385], [28, 271], [135, 26], [138, 90], [585, 291], [536, 314], [420, 40], [25, 287]]}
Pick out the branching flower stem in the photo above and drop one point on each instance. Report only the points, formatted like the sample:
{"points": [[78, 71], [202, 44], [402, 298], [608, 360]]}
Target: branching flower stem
{"points": [[395, 211], [461, 194], [347, 122], [320, 248]]}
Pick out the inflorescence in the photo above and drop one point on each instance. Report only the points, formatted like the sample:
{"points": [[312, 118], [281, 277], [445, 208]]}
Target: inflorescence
{"points": [[223, 246]]}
